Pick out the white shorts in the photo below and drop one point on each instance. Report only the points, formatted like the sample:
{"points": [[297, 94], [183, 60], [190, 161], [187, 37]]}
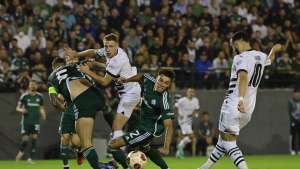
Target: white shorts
{"points": [[231, 120], [128, 103], [186, 129]]}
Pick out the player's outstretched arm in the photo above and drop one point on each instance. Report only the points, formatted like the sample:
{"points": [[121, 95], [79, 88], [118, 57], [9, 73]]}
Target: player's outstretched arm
{"points": [[136, 78], [90, 53], [104, 81], [276, 48], [168, 136], [92, 63]]}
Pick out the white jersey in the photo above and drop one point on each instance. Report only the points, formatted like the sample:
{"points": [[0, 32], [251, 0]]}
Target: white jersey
{"points": [[253, 62], [119, 66], [186, 108]]}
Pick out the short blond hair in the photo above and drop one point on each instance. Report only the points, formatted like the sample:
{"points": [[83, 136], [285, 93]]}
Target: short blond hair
{"points": [[111, 37]]}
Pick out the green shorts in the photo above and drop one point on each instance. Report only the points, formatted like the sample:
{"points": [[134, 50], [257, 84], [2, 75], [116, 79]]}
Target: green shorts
{"points": [[67, 124], [88, 103], [137, 137], [28, 129]]}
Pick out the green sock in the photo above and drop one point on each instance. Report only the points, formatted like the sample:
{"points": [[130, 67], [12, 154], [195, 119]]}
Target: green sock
{"points": [[32, 149], [92, 157], [108, 116], [23, 145], [118, 155], [64, 154], [156, 158]]}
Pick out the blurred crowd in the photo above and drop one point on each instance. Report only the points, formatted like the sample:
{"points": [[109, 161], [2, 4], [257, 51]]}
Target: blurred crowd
{"points": [[190, 35]]}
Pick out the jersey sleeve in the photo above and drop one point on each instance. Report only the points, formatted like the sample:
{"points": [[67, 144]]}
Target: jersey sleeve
{"points": [[42, 100], [167, 112], [100, 52], [22, 100], [197, 105], [240, 63], [268, 61], [178, 103], [148, 77]]}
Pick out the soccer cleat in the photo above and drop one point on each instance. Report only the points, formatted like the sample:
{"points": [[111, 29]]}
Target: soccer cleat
{"points": [[293, 153], [66, 167], [80, 157], [29, 161], [19, 156], [180, 153], [108, 165]]}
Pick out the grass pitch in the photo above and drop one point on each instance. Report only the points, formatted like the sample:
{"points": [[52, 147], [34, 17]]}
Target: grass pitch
{"points": [[254, 162]]}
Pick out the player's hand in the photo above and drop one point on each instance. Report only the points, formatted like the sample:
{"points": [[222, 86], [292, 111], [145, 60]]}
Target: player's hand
{"points": [[164, 150], [84, 68], [69, 52], [43, 117], [24, 111], [180, 117], [121, 80], [241, 107], [196, 115], [277, 47]]}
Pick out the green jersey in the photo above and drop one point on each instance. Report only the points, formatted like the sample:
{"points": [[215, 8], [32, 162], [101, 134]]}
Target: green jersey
{"points": [[32, 105], [60, 78], [155, 108]]}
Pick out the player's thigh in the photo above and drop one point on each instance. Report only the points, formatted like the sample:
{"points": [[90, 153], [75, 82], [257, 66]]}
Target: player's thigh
{"points": [[34, 129], [244, 119], [137, 137], [127, 103], [67, 124], [186, 129], [88, 103], [25, 129], [84, 128], [230, 122]]}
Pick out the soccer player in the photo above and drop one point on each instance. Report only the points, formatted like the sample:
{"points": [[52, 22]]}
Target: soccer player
{"points": [[156, 116], [86, 98], [187, 108], [246, 72], [31, 105], [67, 131], [117, 65]]}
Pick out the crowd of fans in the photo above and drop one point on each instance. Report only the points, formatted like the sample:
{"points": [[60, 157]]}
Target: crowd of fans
{"points": [[189, 35]]}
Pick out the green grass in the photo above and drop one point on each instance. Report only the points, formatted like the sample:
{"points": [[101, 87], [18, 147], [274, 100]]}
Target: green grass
{"points": [[254, 162]]}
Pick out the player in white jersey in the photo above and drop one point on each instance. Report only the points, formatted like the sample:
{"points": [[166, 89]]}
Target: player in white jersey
{"points": [[187, 108], [117, 65], [246, 72]]}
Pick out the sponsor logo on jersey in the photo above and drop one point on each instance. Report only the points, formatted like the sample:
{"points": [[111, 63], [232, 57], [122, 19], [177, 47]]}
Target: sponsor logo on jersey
{"points": [[239, 62], [170, 114], [33, 104], [146, 103], [153, 101], [257, 57]]}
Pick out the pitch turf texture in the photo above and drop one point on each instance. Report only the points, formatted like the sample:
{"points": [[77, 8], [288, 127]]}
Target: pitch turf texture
{"points": [[254, 162]]}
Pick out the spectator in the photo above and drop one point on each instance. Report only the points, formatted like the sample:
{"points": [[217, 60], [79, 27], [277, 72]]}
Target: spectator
{"points": [[203, 74], [220, 66], [46, 9], [132, 18], [60, 6], [294, 112], [114, 20], [19, 62], [156, 48], [47, 54], [19, 16], [149, 38], [69, 3], [40, 39], [128, 50], [39, 72], [133, 41], [243, 11], [80, 15], [88, 28], [30, 52], [12, 51], [214, 8], [89, 8], [197, 8], [23, 80], [69, 18], [284, 67], [38, 20], [185, 74], [23, 41], [235, 15], [207, 134], [180, 6], [97, 18]]}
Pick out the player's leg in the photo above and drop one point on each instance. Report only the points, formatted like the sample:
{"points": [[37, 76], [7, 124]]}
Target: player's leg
{"points": [[293, 137], [124, 111], [185, 129], [64, 149], [108, 115], [76, 142], [24, 142], [84, 128], [194, 143], [32, 148], [154, 156]]}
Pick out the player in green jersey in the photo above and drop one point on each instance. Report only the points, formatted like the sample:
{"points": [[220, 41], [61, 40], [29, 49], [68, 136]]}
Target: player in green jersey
{"points": [[31, 105], [67, 131], [156, 116], [76, 88]]}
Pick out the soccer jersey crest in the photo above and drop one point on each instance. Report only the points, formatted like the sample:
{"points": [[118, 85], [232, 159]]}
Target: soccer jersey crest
{"points": [[153, 101]]}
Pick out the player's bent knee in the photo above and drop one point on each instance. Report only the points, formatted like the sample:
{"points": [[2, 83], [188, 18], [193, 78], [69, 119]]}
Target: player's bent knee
{"points": [[35, 136]]}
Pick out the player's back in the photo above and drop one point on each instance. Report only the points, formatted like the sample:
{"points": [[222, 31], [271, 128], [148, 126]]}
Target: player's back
{"points": [[60, 77], [253, 62], [119, 66]]}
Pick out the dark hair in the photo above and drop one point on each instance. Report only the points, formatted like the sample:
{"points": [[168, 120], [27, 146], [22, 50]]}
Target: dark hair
{"points": [[57, 61], [167, 71], [111, 37], [241, 35], [296, 90], [205, 113]]}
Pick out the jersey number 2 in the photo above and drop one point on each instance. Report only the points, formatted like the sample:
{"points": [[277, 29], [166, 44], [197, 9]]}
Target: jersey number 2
{"points": [[59, 75], [255, 78]]}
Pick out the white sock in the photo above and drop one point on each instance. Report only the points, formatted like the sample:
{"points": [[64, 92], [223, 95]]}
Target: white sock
{"points": [[117, 133], [217, 153], [184, 141], [235, 154]]}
